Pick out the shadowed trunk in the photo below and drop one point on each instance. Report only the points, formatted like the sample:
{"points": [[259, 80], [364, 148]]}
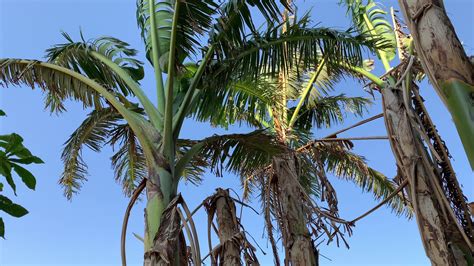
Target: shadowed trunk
{"points": [[297, 241], [446, 63], [440, 234], [228, 227], [233, 244]]}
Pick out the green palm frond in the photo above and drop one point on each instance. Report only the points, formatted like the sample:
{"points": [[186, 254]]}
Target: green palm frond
{"points": [[370, 19], [129, 161], [237, 153], [235, 20], [93, 133], [77, 56], [329, 110], [269, 51], [62, 83], [310, 178], [240, 153], [347, 165], [255, 61], [195, 19], [242, 100], [58, 84], [325, 82]]}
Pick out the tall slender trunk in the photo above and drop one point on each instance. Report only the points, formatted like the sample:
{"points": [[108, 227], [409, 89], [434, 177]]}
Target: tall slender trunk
{"points": [[297, 241], [439, 231], [228, 229], [446, 63]]}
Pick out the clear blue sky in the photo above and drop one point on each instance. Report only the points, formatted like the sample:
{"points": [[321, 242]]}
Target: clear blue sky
{"points": [[86, 231]]}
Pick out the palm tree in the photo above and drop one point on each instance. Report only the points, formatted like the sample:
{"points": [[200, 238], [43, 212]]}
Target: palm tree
{"points": [[422, 157], [289, 104], [451, 74], [103, 74]]}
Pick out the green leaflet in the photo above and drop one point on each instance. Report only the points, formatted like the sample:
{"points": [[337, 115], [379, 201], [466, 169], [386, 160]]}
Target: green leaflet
{"points": [[5, 170], [11, 208], [26, 176], [459, 98], [2, 228], [14, 142]]}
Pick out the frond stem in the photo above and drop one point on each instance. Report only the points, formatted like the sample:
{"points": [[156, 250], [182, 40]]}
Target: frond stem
{"points": [[383, 202], [378, 81], [382, 54], [127, 115], [155, 50], [133, 199], [306, 92], [343, 130], [168, 146], [150, 109], [351, 138], [190, 94]]}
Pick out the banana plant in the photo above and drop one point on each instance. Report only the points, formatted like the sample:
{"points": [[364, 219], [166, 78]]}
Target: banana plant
{"points": [[422, 157], [104, 75]]}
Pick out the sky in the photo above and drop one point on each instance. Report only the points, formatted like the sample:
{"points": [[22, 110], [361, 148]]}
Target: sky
{"points": [[86, 230]]}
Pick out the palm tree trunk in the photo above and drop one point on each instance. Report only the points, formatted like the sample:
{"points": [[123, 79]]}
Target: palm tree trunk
{"points": [[228, 229], [297, 242], [164, 241], [440, 235], [445, 62]]}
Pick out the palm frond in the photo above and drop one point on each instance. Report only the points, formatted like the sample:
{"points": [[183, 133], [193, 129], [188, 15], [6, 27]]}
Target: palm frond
{"points": [[195, 19], [195, 169], [59, 85], [347, 165], [77, 56], [238, 101], [325, 111], [325, 82], [237, 153], [274, 50], [230, 28], [129, 161], [92, 133], [370, 19]]}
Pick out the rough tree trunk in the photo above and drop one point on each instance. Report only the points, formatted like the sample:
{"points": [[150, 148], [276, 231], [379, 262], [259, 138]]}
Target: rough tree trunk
{"points": [[439, 231], [445, 62], [299, 248], [228, 227]]}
